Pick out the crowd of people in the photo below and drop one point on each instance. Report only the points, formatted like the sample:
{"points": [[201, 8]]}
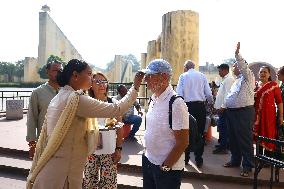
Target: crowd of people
{"points": [[66, 115]]}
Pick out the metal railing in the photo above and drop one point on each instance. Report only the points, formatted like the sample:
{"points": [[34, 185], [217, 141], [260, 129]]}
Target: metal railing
{"points": [[25, 95], [11, 95]]}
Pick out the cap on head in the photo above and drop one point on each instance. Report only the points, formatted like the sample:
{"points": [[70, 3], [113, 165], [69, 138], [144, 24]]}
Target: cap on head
{"points": [[158, 66]]}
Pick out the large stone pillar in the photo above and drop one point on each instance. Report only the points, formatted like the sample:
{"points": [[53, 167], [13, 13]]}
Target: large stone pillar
{"points": [[151, 51], [180, 40], [143, 60], [117, 68], [142, 91]]}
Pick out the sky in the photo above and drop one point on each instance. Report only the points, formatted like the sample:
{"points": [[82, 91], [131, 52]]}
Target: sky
{"points": [[101, 29]]}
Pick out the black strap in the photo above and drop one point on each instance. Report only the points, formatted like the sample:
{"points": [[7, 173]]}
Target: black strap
{"points": [[109, 100], [173, 98], [149, 101]]}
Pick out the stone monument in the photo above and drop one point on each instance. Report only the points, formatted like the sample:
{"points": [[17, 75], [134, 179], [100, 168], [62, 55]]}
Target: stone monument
{"points": [[14, 109], [180, 39]]}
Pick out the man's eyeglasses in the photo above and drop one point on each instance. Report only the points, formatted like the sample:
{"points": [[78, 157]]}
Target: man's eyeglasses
{"points": [[98, 82]]}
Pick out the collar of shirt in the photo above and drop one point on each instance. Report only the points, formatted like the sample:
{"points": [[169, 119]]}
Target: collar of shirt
{"points": [[225, 76], [163, 96], [50, 87]]}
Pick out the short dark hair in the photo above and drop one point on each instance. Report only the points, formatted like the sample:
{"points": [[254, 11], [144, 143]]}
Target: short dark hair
{"points": [[119, 87], [63, 76], [224, 67], [48, 65], [281, 70]]}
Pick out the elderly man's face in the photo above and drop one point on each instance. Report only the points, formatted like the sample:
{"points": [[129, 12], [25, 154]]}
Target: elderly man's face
{"points": [[154, 81], [236, 69]]}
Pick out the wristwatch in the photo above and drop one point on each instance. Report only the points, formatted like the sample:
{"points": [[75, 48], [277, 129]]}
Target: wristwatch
{"points": [[165, 168]]}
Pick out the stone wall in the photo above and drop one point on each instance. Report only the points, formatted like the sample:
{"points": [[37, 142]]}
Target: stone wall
{"points": [[120, 71], [180, 39], [52, 41], [30, 70]]}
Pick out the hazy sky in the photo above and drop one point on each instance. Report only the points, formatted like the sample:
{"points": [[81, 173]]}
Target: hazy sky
{"points": [[101, 29]]}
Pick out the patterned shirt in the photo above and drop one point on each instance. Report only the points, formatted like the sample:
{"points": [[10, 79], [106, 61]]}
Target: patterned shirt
{"points": [[241, 93]]}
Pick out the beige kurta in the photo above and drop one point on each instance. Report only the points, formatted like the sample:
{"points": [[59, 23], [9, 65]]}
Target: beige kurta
{"points": [[65, 168]]}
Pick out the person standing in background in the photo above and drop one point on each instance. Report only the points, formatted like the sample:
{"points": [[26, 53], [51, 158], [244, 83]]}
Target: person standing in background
{"points": [[101, 169], [240, 115], [225, 85], [267, 95], [193, 86], [39, 101]]}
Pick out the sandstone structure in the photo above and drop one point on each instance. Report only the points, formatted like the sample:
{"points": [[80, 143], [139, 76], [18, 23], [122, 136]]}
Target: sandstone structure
{"points": [[30, 70], [121, 71], [52, 41], [180, 39], [142, 89], [153, 51]]}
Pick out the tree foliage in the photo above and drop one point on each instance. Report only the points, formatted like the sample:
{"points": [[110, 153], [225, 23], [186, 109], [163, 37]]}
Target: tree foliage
{"points": [[8, 68], [52, 58], [19, 70]]}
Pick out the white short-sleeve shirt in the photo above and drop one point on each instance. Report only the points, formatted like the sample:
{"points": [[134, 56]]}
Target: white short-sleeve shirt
{"points": [[159, 137]]}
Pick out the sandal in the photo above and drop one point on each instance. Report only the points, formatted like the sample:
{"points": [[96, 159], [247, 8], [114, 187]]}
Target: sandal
{"points": [[244, 173], [230, 164]]}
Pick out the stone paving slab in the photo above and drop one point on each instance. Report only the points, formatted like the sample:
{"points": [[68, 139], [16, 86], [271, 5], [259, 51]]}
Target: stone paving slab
{"points": [[12, 135]]}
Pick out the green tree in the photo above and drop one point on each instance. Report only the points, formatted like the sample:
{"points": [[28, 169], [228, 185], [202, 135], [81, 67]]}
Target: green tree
{"points": [[7, 68], [51, 58], [19, 71]]}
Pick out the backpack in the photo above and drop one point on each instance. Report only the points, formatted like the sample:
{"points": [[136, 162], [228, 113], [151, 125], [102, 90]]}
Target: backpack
{"points": [[195, 139]]}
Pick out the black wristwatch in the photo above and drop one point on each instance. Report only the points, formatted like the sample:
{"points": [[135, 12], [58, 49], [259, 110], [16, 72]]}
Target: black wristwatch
{"points": [[119, 148], [165, 168]]}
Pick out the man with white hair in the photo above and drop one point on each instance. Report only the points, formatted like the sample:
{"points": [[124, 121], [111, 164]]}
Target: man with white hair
{"points": [[163, 161], [194, 88]]}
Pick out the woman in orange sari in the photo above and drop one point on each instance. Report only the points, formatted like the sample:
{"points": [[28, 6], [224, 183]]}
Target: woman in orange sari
{"points": [[267, 95]]}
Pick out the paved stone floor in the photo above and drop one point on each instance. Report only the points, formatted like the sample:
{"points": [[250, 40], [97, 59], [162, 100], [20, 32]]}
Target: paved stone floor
{"points": [[12, 135]]}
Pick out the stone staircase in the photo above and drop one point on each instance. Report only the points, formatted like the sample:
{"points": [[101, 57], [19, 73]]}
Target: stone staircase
{"points": [[16, 162]]}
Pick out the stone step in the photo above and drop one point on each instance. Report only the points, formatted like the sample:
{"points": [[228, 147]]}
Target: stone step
{"points": [[17, 162]]}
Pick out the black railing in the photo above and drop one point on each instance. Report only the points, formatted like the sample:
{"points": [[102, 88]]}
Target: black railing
{"points": [[276, 161], [11, 95], [25, 95]]}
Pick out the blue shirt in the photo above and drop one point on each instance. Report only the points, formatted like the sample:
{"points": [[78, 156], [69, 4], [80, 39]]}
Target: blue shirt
{"points": [[193, 86]]}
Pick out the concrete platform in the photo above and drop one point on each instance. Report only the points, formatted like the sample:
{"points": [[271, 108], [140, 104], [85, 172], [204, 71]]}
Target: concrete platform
{"points": [[13, 133]]}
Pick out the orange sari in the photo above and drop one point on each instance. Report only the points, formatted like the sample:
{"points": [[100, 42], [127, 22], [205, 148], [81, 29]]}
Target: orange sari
{"points": [[265, 124]]}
